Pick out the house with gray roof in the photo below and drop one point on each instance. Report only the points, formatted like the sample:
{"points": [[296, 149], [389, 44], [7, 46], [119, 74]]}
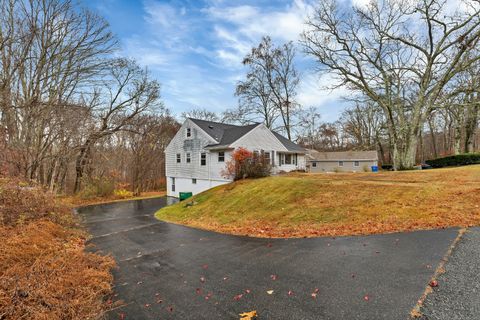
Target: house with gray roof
{"points": [[346, 161], [196, 157]]}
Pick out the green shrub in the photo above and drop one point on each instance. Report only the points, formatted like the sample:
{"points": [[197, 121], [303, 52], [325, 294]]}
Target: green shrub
{"points": [[98, 187], [457, 160]]}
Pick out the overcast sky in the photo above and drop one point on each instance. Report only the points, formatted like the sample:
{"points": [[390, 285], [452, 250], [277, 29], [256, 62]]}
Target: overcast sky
{"points": [[195, 48]]}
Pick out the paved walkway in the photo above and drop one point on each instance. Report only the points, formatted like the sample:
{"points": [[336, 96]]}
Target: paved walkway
{"points": [[168, 271]]}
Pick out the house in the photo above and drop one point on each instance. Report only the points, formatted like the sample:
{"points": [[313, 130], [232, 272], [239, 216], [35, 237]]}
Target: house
{"points": [[195, 159], [347, 161]]}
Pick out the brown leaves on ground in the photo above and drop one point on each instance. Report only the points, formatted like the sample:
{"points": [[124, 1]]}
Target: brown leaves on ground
{"points": [[45, 272]]}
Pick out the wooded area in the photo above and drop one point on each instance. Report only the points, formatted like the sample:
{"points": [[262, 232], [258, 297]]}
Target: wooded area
{"points": [[75, 116]]}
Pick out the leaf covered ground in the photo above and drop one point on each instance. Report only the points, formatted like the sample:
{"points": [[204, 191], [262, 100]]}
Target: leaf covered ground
{"points": [[306, 205], [45, 271]]}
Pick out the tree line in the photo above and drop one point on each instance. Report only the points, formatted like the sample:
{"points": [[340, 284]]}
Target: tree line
{"points": [[70, 108], [73, 112], [412, 67]]}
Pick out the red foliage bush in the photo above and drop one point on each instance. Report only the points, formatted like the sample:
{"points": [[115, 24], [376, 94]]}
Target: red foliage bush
{"points": [[246, 164]]}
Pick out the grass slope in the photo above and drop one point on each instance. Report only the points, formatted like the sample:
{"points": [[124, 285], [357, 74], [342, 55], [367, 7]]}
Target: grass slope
{"points": [[300, 205]]}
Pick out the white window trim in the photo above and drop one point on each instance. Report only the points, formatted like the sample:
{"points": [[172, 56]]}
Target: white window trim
{"points": [[202, 154], [356, 164], [188, 132], [340, 163], [218, 156], [188, 157], [178, 158]]}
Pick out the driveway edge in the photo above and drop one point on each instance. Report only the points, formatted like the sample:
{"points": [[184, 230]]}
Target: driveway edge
{"points": [[416, 311]]}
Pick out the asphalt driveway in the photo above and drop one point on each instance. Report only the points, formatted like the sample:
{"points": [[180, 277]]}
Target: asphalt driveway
{"points": [[167, 271]]}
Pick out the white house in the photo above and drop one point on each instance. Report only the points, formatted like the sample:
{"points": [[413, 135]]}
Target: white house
{"points": [[195, 158]]}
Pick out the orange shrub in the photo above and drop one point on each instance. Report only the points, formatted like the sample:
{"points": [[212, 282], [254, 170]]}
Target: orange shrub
{"points": [[246, 164]]}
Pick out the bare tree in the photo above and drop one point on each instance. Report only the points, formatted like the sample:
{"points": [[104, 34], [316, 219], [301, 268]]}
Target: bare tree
{"points": [[271, 84], [127, 93], [400, 54], [201, 114]]}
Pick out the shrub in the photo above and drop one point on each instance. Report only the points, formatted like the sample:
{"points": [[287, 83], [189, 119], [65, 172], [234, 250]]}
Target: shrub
{"points": [[98, 187], [22, 202], [456, 160], [246, 164], [123, 193]]}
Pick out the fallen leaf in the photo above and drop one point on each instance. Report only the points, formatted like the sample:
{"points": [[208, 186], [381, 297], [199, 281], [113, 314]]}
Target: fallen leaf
{"points": [[198, 291], [202, 279], [273, 277], [269, 245], [247, 291], [433, 283], [225, 278], [270, 291], [290, 293], [238, 297], [147, 305], [121, 316], [314, 295], [205, 266], [366, 298], [248, 315], [170, 309]]}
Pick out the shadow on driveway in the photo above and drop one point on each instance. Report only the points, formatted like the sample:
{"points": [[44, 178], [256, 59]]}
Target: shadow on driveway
{"points": [[168, 271]]}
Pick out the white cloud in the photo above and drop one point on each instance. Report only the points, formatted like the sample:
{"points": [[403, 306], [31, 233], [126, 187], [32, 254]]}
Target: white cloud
{"points": [[238, 28]]}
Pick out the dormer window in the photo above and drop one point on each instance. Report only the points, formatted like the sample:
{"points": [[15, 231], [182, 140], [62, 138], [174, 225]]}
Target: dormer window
{"points": [[189, 132]]}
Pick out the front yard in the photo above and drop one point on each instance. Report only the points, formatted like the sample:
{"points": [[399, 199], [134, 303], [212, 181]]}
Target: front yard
{"points": [[306, 205]]}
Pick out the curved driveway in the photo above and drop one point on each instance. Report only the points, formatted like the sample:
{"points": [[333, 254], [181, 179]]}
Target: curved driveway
{"points": [[167, 271]]}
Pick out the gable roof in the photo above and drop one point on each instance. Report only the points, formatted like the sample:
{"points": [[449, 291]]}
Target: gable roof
{"points": [[226, 134], [314, 155], [291, 146], [213, 129]]}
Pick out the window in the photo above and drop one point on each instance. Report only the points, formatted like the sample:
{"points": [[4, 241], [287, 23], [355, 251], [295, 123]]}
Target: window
{"points": [[340, 163], [203, 159], [179, 158], [288, 158], [189, 132], [356, 163], [266, 157], [221, 156], [314, 164], [189, 159], [173, 184], [194, 181], [256, 153]]}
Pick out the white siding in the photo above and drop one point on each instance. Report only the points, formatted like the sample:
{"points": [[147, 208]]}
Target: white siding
{"points": [[183, 145], [186, 185], [259, 138]]}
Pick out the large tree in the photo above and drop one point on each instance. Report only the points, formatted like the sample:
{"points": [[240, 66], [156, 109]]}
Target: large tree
{"points": [[270, 87], [400, 54]]}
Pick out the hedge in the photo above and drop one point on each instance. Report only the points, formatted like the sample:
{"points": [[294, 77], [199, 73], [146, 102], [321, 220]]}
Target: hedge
{"points": [[457, 160]]}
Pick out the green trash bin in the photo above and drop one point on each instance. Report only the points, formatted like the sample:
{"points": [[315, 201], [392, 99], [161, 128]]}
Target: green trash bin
{"points": [[185, 195]]}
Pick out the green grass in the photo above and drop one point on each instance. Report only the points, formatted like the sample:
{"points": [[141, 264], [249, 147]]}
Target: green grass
{"points": [[335, 204]]}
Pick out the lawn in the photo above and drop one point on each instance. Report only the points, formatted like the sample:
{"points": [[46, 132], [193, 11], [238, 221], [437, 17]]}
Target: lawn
{"points": [[306, 205]]}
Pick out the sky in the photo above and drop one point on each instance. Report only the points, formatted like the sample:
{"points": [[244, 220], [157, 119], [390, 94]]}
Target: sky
{"points": [[194, 48]]}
